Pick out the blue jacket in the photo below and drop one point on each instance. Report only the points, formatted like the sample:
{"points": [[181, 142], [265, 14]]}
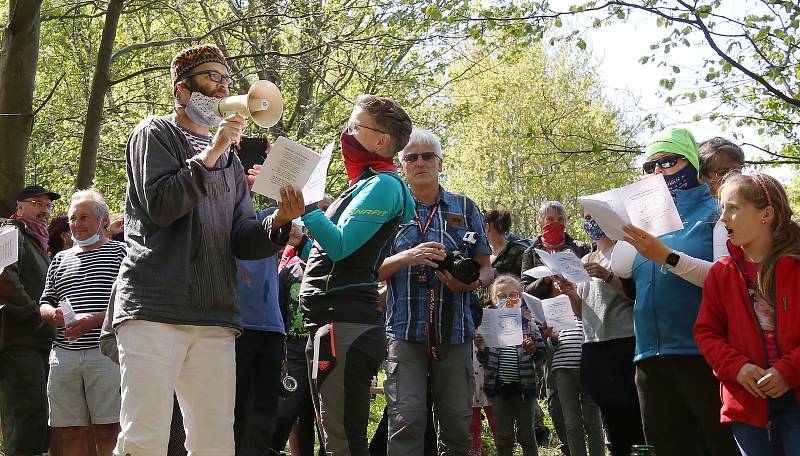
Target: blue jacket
{"points": [[257, 289], [666, 306]]}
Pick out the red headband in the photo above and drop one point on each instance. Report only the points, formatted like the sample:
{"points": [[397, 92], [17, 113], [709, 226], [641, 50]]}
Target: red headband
{"points": [[759, 179]]}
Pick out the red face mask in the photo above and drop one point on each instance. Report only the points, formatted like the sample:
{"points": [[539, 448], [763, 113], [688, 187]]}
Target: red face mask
{"points": [[553, 234], [356, 158]]}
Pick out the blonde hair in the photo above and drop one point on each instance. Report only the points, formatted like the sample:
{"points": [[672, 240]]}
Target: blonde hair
{"points": [[503, 279], [762, 190]]}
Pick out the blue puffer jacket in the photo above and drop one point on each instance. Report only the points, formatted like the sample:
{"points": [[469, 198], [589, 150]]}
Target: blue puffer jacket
{"points": [[666, 305]]}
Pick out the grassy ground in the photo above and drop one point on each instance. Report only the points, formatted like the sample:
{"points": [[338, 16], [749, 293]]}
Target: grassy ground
{"points": [[376, 411]]}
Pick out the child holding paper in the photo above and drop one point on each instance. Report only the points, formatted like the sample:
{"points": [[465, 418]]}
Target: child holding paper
{"points": [[509, 375], [748, 327]]}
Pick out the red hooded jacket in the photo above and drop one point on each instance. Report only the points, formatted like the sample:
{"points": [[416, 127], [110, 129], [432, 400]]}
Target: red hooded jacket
{"points": [[729, 335]]}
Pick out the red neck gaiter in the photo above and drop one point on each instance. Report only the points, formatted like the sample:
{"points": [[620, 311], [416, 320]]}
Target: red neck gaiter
{"points": [[36, 228], [553, 235], [356, 158]]}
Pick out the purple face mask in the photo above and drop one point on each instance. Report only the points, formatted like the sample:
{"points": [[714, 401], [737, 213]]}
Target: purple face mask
{"points": [[593, 229], [684, 179]]}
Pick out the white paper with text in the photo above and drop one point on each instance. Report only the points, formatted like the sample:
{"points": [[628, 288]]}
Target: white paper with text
{"points": [[314, 190], [646, 204], [501, 327], [565, 264], [288, 163], [534, 304], [558, 312], [9, 246]]}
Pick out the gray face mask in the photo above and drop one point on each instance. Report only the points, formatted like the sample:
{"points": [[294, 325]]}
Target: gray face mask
{"points": [[202, 110]]}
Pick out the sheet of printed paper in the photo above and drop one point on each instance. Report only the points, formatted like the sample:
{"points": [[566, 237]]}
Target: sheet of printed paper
{"points": [[651, 207], [565, 264], [538, 272], [501, 327], [646, 204], [608, 210], [9, 246], [534, 304], [288, 163], [558, 313], [67, 310], [314, 190]]}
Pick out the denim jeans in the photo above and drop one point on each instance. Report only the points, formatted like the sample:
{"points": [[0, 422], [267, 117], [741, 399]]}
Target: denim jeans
{"points": [[784, 417]]}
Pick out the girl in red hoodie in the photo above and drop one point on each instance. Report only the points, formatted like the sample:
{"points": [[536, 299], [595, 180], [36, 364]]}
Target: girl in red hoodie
{"points": [[748, 327]]}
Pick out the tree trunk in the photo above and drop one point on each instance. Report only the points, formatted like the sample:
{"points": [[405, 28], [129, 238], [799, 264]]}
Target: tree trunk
{"points": [[100, 85], [18, 58]]}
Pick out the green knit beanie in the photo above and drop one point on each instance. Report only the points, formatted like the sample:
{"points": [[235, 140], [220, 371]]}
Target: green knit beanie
{"points": [[676, 141]]}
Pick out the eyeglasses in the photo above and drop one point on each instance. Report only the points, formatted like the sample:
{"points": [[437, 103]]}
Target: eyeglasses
{"points": [[352, 128], [411, 158], [511, 295], [720, 173], [214, 75], [664, 163], [36, 203]]}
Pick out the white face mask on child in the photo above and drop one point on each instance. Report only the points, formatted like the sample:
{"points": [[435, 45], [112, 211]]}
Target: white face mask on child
{"points": [[509, 303]]}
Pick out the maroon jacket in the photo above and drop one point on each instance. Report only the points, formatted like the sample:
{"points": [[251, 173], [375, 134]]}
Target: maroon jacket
{"points": [[730, 336]]}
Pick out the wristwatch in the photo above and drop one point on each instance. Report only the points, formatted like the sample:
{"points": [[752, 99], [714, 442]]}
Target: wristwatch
{"points": [[670, 262]]}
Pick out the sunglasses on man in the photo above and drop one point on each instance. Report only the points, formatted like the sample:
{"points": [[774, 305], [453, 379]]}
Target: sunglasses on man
{"points": [[411, 158], [664, 163]]}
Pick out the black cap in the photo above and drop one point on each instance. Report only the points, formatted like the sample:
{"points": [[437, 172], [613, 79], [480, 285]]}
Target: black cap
{"points": [[36, 190]]}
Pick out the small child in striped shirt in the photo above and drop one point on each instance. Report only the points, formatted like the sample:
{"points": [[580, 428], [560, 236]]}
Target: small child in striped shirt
{"points": [[510, 375]]}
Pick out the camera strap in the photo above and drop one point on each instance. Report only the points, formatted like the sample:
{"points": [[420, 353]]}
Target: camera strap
{"points": [[434, 337], [424, 229]]}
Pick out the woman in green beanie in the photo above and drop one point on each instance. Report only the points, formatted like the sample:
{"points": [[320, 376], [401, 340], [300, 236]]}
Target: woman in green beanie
{"points": [[678, 393]]}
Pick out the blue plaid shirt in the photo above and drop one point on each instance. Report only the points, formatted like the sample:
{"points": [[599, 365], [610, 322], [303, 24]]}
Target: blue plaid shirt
{"points": [[406, 317]]}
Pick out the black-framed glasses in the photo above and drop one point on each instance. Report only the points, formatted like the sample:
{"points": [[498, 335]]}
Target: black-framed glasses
{"points": [[411, 158], [214, 75], [352, 128], [664, 163], [36, 203]]}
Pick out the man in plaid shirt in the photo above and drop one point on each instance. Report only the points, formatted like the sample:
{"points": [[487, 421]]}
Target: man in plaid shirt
{"points": [[429, 322]]}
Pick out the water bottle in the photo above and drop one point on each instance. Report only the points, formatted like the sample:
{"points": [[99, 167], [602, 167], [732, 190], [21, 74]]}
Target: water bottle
{"points": [[643, 450]]}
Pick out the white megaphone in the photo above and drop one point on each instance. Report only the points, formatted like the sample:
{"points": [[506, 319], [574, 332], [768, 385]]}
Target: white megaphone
{"points": [[263, 103]]}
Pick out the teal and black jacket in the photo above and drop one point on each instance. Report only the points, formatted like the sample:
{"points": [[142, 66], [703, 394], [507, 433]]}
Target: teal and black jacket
{"points": [[351, 240]]}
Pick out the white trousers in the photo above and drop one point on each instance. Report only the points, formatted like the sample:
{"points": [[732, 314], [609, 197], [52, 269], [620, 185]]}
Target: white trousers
{"points": [[198, 363]]}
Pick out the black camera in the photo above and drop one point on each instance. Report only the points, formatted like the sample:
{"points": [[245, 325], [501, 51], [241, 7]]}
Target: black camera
{"points": [[462, 268]]}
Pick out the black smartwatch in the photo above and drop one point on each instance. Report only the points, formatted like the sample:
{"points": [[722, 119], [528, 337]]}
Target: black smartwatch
{"points": [[670, 262]]}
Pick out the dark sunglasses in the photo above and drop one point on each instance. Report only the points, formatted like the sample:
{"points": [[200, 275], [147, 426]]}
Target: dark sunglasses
{"points": [[214, 75], [664, 163], [411, 158]]}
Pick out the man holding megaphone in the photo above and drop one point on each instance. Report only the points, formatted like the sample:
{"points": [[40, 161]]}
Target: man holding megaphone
{"points": [[188, 214]]}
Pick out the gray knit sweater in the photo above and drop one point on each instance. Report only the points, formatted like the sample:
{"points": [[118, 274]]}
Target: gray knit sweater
{"points": [[184, 224]]}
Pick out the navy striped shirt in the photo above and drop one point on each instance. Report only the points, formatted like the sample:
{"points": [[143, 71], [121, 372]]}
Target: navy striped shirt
{"points": [[85, 279], [508, 361], [567, 354]]}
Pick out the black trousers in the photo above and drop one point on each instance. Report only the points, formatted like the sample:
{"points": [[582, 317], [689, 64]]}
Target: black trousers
{"points": [[297, 406], [607, 374], [680, 404], [23, 399], [259, 356]]}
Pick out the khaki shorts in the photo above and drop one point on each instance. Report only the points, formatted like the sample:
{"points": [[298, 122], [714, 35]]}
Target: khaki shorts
{"points": [[83, 388]]}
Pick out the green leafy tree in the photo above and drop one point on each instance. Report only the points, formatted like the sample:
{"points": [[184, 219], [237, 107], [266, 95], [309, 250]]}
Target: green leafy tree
{"points": [[753, 72], [531, 126]]}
